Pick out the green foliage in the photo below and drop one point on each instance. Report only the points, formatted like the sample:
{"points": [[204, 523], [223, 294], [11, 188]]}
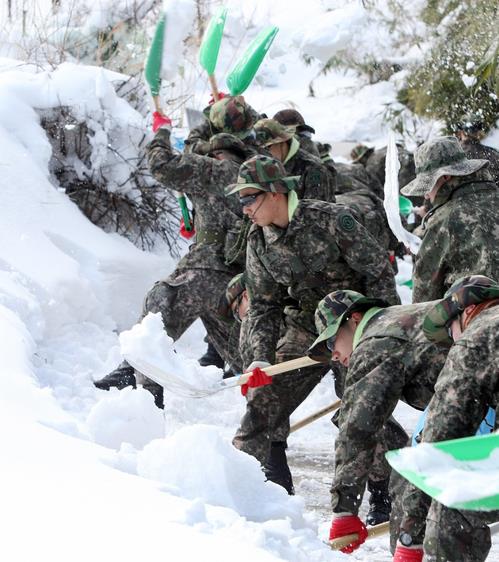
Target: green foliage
{"points": [[460, 74]]}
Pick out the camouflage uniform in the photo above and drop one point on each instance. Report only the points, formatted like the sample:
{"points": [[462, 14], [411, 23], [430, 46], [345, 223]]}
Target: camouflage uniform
{"points": [[322, 248], [228, 115], [460, 232], [316, 180], [392, 361], [195, 288], [466, 387]]}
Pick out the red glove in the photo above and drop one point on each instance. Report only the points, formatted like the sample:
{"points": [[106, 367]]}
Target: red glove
{"points": [[160, 121], [258, 378], [221, 96], [404, 554], [348, 525], [187, 234]]}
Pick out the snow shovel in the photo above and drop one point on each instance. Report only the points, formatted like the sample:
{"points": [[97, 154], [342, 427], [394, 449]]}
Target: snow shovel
{"points": [[372, 532], [460, 473], [178, 386], [244, 70], [210, 46], [152, 74], [322, 412]]}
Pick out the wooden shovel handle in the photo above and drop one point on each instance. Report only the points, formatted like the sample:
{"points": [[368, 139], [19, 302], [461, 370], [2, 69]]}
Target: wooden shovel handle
{"points": [[214, 87], [376, 531], [281, 368], [322, 412]]}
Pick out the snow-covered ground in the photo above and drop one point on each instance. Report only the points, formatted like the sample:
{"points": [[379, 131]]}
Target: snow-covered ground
{"points": [[92, 475]]}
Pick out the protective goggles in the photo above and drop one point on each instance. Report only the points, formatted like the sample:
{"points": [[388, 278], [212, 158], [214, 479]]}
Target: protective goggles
{"points": [[247, 200]]}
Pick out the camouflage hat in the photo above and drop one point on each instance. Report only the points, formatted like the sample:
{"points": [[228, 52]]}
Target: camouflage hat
{"points": [[232, 115], [292, 118], [263, 173], [436, 158], [464, 292], [471, 123], [269, 131], [359, 151], [226, 141], [235, 288], [330, 313]]}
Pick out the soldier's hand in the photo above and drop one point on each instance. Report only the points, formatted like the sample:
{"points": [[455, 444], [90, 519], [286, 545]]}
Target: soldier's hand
{"points": [[187, 234], [160, 121], [221, 96], [258, 377], [408, 553], [344, 524]]}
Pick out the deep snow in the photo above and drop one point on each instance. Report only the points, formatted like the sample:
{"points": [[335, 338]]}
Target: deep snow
{"points": [[90, 475]]}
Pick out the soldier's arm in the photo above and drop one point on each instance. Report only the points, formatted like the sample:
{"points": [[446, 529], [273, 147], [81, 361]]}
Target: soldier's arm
{"points": [[262, 323], [189, 173], [373, 386], [197, 141], [365, 255]]}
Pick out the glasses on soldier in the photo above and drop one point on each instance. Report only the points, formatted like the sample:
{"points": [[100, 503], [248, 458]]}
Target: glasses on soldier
{"points": [[247, 200], [235, 308]]}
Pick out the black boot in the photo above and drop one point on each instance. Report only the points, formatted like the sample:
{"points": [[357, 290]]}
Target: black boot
{"points": [[157, 391], [380, 504], [211, 357], [277, 469], [121, 377]]}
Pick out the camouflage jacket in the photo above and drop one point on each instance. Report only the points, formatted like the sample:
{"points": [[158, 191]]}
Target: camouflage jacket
{"points": [[393, 361], [317, 181], [203, 179], [460, 236], [368, 210], [480, 151], [323, 248], [466, 387], [353, 177]]}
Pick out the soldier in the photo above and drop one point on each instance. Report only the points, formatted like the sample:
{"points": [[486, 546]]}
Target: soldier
{"points": [[466, 387], [304, 132], [470, 131], [316, 181], [193, 290], [388, 359], [228, 115], [460, 232], [298, 249]]}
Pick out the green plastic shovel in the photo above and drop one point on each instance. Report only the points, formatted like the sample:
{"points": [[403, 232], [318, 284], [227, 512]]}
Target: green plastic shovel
{"points": [[244, 71], [210, 47], [460, 473], [152, 73]]}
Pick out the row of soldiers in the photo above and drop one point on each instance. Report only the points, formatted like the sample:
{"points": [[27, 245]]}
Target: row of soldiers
{"points": [[281, 225]]}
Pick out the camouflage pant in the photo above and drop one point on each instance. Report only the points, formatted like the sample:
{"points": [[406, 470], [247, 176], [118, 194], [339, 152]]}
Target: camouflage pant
{"points": [[269, 407], [450, 535], [188, 295]]}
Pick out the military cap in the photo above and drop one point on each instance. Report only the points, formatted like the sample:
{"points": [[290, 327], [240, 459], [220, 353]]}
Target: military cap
{"points": [[359, 151], [436, 158], [292, 118], [235, 288], [226, 141], [464, 292], [471, 123], [232, 115], [269, 131], [332, 311], [263, 173]]}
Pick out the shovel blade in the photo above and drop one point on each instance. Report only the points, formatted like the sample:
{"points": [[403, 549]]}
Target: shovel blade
{"points": [[460, 473], [212, 38]]}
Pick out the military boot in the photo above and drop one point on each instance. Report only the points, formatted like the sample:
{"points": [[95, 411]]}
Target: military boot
{"points": [[121, 377], [380, 504], [211, 357], [276, 468], [156, 390]]}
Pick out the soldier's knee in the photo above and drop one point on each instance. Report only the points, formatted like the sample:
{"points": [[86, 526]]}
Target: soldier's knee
{"points": [[159, 297]]}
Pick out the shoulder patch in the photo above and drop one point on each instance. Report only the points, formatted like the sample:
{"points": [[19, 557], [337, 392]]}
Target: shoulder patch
{"points": [[346, 222]]}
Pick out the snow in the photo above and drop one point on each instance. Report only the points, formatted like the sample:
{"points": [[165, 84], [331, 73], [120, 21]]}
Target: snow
{"points": [[95, 475]]}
